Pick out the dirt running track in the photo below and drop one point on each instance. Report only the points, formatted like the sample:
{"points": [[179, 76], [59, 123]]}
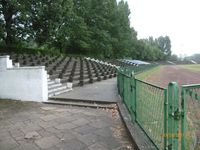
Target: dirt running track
{"points": [[182, 76], [174, 73]]}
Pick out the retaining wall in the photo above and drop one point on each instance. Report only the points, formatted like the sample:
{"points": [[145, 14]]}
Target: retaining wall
{"points": [[22, 83]]}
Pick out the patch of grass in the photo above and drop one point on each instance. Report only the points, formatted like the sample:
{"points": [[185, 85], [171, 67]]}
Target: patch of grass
{"points": [[146, 74], [193, 67]]}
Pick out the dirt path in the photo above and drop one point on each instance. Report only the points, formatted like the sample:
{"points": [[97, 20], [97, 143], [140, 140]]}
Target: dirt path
{"points": [[174, 73]]}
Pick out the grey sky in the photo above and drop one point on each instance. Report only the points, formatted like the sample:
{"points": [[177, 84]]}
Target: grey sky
{"points": [[179, 19]]}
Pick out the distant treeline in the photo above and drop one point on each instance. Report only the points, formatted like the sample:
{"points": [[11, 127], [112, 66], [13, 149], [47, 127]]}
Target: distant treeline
{"points": [[195, 57], [90, 27]]}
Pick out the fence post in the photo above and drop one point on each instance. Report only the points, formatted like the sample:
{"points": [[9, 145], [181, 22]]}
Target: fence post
{"points": [[173, 117], [118, 80], [133, 96], [165, 118], [183, 119], [123, 87]]}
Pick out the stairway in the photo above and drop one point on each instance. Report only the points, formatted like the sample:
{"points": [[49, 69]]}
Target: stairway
{"points": [[55, 87]]}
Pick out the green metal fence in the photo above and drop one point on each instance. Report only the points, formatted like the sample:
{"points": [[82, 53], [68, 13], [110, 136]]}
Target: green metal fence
{"points": [[190, 123], [146, 104], [150, 101], [170, 123]]}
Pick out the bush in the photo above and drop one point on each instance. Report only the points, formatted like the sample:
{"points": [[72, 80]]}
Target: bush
{"points": [[19, 49]]}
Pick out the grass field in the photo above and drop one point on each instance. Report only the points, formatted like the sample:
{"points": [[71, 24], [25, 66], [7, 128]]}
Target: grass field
{"points": [[144, 76], [195, 67]]}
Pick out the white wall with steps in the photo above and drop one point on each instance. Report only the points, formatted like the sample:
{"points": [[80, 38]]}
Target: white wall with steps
{"points": [[22, 83]]}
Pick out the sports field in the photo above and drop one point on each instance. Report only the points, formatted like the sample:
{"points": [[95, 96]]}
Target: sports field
{"points": [[183, 75], [194, 68]]}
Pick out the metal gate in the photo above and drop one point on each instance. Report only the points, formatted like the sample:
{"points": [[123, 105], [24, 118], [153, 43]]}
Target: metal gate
{"points": [[190, 122], [170, 122]]}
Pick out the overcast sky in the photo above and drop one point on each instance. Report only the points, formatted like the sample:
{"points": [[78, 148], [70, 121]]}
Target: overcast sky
{"points": [[179, 19]]}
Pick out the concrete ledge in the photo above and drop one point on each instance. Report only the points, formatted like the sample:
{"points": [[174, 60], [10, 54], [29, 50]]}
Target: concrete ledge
{"points": [[81, 104], [27, 68], [80, 100], [5, 56]]}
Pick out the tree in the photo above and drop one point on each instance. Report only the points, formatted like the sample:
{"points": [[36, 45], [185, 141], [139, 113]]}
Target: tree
{"points": [[150, 50], [173, 57], [164, 44], [101, 23], [97, 27], [124, 37], [12, 19], [80, 34], [50, 21]]}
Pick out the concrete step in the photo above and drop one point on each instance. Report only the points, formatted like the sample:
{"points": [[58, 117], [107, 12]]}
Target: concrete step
{"points": [[59, 92], [82, 104], [51, 82], [62, 91], [58, 88], [75, 83], [53, 76], [55, 85], [85, 76], [68, 72]]}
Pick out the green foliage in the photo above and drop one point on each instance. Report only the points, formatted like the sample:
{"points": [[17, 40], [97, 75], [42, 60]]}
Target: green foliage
{"points": [[153, 51], [164, 44], [195, 57], [173, 57], [99, 28]]}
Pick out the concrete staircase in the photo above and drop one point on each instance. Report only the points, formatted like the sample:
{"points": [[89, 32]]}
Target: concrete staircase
{"points": [[55, 87]]}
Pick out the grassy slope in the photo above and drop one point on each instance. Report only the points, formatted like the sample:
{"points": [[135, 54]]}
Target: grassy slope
{"points": [[195, 67], [146, 74]]}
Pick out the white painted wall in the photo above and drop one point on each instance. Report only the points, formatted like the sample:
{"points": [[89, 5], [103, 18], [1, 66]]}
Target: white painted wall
{"points": [[22, 83], [5, 63]]}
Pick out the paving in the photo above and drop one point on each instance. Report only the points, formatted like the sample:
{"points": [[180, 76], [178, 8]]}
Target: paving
{"points": [[104, 91], [38, 126]]}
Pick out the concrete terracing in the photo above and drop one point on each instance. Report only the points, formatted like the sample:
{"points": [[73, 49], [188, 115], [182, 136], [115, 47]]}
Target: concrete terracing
{"points": [[39, 126]]}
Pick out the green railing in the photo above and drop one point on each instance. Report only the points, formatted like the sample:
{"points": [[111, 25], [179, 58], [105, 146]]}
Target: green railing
{"points": [[150, 110], [190, 122], [146, 104], [155, 109]]}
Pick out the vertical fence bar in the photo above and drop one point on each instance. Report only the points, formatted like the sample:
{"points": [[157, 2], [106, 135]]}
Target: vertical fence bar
{"points": [[165, 118], [118, 81], [183, 119], [122, 88], [173, 117], [133, 96]]}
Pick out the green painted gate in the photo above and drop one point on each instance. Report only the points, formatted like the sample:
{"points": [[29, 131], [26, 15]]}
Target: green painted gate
{"points": [[190, 123], [161, 114]]}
